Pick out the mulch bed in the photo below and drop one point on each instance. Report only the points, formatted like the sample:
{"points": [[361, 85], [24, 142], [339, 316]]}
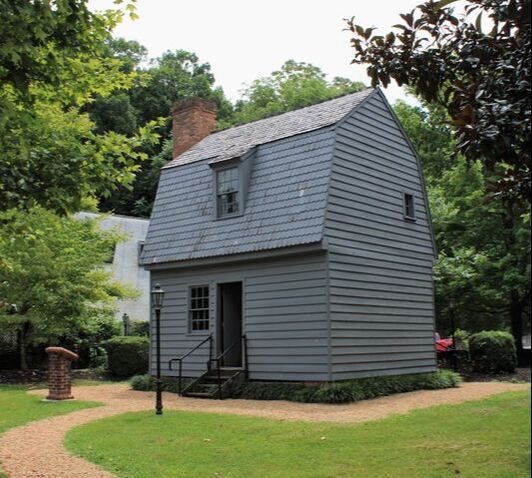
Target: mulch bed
{"points": [[521, 375]]}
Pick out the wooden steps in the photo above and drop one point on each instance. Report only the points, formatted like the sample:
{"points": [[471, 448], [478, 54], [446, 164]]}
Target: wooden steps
{"points": [[212, 385]]}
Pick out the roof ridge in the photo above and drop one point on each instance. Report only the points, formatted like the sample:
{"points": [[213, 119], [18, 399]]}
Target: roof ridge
{"points": [[272, 128], [295, 109]]}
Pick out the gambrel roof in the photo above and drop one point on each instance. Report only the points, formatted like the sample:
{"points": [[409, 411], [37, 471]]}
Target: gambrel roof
{"points": [[236, 141], [289, 158]]}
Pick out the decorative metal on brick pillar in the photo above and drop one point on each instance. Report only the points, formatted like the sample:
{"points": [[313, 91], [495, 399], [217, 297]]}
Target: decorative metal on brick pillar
{"points": [[59, 377]]}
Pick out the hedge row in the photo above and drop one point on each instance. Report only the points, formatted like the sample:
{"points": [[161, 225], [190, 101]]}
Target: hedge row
{"points": [[340, 392], [127, 355], [348, 391]]}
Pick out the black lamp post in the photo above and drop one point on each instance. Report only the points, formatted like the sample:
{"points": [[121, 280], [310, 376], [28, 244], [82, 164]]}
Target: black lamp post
{"points": [[157, 296]]}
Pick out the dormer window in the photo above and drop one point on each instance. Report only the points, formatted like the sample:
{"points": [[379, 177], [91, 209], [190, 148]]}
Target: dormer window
{"points": [[228, 192]]}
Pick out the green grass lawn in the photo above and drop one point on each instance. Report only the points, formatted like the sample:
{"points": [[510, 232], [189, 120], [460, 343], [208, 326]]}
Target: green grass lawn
{"points": [[488, 438], [18, 408]]}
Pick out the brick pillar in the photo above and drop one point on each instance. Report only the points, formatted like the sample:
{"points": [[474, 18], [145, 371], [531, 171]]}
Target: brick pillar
{"points": [[59, 379]]}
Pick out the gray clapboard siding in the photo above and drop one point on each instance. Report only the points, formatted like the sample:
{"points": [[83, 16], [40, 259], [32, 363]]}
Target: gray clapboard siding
{"points": [[285, 319], [336, 283], [380, 265]]}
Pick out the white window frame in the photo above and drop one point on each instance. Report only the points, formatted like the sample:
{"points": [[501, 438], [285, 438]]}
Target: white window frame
{"points": [[190, 310], [239, 192]]}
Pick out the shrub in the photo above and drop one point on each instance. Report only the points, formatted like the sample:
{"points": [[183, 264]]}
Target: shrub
{"points": [[144, 383], [87, 341], [462, 339], [348, 391], [128, 356], [266, 391], [373, 387], [140, 328], [493, 351]]}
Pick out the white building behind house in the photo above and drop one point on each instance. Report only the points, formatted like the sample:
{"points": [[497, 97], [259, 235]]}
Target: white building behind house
{"points": [[125, 262]]}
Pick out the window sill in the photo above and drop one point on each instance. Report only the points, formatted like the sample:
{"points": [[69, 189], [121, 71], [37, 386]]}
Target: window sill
{"points": [[198, 333]]}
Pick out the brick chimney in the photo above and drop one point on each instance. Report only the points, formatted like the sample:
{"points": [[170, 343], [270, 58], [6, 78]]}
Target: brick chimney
{"points": [[192, 120]]}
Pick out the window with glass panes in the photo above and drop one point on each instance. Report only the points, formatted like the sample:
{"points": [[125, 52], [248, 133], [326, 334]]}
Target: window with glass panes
{"points": [[227, 192], [409, 206], [199, 308]]}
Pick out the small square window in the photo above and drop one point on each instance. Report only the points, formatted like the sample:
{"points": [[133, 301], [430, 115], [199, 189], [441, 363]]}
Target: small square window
{"points": [[199, 308], [409, 206], [227, 193]]}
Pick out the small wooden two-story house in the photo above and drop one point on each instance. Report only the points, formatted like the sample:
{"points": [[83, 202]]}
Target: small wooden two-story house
{"points": [[307, 232]]}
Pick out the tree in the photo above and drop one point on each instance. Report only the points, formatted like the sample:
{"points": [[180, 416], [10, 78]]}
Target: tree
{"points": [[428, 129], [131, 52], [138, 201], [116, 112], [38, 38], [51, 152], [484, 253], [52, 280], [484, 246], [173, 76], [477, 67], [294, 86]]}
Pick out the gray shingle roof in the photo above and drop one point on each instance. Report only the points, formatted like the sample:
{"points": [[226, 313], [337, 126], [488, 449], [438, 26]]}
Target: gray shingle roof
{"points": [[284, 207], [290, 157], [236, 141]]}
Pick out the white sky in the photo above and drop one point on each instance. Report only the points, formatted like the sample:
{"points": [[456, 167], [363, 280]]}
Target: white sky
{"points": [[244, 40]]}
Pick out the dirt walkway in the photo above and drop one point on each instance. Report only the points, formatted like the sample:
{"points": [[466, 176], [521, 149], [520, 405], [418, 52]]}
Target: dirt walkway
{"points": [[36, 449]]}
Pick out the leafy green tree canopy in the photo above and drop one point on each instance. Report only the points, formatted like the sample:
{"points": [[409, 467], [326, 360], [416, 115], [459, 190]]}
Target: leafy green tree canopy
{"points": [[429, 130], [173, 76], [51, 153], [484, 253], [38, 37], [52, 279], [476, 65], [484, 246]]}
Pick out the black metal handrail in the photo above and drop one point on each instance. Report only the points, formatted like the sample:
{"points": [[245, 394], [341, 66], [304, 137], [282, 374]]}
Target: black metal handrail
{"points": [[219, 358], [184, 356]]}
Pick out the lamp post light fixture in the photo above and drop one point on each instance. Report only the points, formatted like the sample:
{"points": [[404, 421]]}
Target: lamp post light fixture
{"points": [[157, 297]]}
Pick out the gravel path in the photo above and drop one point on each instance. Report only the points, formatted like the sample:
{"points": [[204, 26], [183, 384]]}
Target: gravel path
{"points": [[36, 449]]}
